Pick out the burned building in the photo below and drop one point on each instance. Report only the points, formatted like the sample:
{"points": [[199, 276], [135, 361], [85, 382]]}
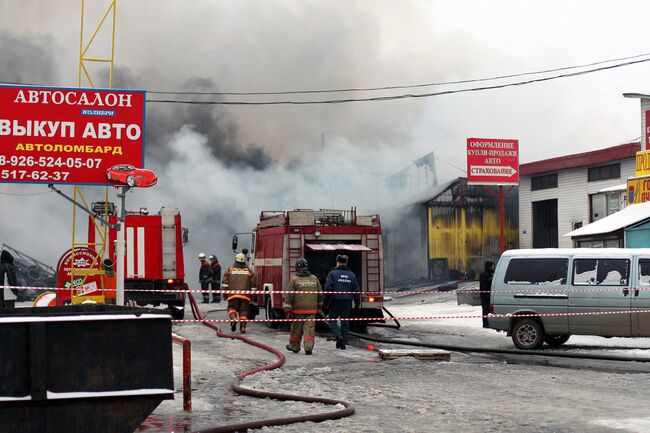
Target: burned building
{"points": [[448, 231]]}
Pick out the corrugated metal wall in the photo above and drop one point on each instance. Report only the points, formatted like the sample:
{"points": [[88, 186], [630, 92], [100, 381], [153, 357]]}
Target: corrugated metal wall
{"points": [[467, 237], [464, 225]]}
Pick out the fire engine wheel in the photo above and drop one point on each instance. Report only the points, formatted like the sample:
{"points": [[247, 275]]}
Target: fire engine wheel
{"points": [[269, 314]]}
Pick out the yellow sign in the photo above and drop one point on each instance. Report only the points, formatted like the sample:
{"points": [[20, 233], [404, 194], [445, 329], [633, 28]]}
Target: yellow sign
{"points": [[643, 163], [638, 190]]}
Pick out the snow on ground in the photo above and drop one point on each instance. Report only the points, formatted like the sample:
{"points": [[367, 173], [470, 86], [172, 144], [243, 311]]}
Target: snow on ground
{"points": [[471, 393]]}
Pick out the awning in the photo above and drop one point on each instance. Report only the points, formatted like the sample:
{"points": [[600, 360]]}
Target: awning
{"points": [[337, 247]]}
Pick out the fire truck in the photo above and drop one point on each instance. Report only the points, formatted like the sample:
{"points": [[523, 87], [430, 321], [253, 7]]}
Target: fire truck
{"points": [[153, 258], [281, 237]]}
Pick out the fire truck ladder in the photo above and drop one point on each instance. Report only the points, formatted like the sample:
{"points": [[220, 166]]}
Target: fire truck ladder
{"points": [[373, 266], [295, 250]]}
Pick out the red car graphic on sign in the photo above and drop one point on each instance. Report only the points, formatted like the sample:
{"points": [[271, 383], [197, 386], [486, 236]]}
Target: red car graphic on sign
{"points": [[131, 176]]}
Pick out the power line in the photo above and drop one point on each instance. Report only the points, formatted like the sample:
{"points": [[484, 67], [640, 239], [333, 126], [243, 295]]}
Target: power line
{"points": [[403, 96], [395, 87], [366, 89]]}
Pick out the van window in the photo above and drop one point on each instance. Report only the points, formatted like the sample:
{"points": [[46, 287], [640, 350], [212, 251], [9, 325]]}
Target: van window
{"points": [[644, 272], [601, 272], [537, 271]]}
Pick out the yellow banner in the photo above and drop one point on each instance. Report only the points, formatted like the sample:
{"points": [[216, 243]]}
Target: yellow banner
{"points": [[643, 163], [638, 190]]}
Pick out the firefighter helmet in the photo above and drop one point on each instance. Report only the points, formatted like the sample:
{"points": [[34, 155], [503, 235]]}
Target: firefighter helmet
{"points": [[301, 264], [201, 256], [240, 258]]}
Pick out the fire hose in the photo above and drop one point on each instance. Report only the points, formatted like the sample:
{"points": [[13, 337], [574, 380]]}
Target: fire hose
{"points": [[236, 386]]}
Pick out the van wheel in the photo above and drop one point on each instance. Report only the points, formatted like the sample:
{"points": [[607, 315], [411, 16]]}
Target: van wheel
{"points": [[269, 314], [527, 334], [556, 340]]}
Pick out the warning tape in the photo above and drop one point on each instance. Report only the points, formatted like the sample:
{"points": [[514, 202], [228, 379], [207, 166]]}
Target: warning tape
{"points": [[404, 292], [423, 318]]}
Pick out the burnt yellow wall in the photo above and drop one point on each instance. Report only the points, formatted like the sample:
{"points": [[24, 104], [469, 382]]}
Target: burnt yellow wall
{"points": [[468, 237]]}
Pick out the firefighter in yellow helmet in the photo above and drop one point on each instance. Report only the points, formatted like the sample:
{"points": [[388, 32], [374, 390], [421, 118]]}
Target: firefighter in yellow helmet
{"points": [[303, 306], [238, 277]]}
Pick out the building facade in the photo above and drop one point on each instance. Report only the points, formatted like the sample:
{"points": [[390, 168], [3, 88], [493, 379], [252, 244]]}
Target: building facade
{"points": [[559, 195]]}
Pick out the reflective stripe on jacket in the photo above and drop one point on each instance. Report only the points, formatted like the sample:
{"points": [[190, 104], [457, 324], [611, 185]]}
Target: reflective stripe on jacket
{"points": [[303, 303], [238, 278]]}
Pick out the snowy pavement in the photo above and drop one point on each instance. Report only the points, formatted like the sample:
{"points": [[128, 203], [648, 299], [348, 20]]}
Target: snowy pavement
{"points": [[471, 393]]}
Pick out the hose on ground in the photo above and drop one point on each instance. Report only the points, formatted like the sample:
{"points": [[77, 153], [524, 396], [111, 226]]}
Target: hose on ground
{"points": [[501, 351], [347, 410]]}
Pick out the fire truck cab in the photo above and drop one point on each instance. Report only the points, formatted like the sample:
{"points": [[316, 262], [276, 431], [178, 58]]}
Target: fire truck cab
{"points": [[281, 237]]}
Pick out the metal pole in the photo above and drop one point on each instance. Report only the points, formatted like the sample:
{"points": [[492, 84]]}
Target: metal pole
{"points": [[119, 248], [502, 241]]}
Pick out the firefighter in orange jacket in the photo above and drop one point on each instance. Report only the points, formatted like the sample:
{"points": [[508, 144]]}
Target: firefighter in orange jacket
{"points": [[238, 277], [303, 306]]}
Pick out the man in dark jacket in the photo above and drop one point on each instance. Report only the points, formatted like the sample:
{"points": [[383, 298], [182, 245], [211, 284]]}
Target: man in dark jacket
{"points": [[485, 286], [215, 268], [7, 296], [341, 279]]}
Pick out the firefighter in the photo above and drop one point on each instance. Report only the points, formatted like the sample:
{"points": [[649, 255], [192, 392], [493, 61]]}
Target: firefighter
{"points": [[238, 277], [341, 279], [215, 268], [205, 277], [303, 306]]}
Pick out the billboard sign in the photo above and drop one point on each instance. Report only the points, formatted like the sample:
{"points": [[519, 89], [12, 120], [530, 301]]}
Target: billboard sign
{"points": [[492, 161], [68, 135], [638, 190]]}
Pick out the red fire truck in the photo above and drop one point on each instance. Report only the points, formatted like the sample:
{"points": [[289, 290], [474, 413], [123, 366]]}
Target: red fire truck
{"points": [[280, 238], [153, 258]]}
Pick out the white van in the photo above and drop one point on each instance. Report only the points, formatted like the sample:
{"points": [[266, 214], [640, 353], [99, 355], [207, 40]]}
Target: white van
{"points": [[576, 291]]}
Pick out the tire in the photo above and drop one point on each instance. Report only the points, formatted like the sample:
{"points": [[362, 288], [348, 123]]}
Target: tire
{"points": [[130, 181], [556, 340], [269, 314], [34, 272], [527, 334]]}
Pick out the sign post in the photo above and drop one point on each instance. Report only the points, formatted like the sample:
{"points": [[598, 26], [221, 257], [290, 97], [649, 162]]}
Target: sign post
{"points": [[493, 161]]}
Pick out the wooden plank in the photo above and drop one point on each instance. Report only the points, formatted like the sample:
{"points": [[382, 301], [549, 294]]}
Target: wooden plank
{"points": [[422, 354]]}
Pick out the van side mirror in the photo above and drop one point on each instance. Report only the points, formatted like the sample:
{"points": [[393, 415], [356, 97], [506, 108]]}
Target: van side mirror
{"points": [[234, 243], [186, 236]]}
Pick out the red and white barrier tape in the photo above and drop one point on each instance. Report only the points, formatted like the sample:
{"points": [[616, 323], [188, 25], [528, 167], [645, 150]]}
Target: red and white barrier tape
{"points": [[418, 318], [257, 292]]}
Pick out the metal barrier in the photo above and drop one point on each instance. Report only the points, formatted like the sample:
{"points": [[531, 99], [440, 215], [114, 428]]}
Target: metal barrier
{"points": [[187, 370]]}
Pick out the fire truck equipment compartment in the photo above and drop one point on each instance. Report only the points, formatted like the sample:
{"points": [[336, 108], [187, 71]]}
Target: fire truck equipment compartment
{"points": [[83, 368], [337, 247]]}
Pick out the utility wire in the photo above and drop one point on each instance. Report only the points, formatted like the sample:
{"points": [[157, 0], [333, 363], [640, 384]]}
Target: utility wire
{"points": [[365, 89], [404, 96], [394, 87]]}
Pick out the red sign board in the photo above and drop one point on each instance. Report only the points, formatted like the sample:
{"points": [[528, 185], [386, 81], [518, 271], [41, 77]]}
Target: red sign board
{"points": [[63, 135], [492, 161], [85, 259]]}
